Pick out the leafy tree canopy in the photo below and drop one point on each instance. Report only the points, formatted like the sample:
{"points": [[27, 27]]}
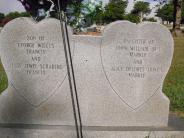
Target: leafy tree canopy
{"points": [[182, 13], [115, 10], [150, 19], [94, 14], [141, 6], [166, 12], [2, 16], [132, 18], [33, 6], [13, 15]]}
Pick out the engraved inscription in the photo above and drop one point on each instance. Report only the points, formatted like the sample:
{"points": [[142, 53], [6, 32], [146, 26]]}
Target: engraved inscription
{"points": [[33, 59], [36, 48], [135, 60], [138, 50]]}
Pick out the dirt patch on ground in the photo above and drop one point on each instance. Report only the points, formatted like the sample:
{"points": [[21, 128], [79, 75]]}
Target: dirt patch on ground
{"points": [[90, 33]]}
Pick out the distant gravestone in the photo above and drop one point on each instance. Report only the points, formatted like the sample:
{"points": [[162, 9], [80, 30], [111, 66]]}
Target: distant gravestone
{"points": [[119, 75]]}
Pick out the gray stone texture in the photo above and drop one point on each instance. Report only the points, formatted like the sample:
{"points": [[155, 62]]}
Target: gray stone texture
{"points": [[119, 75], [33, 57], [70, 133]]}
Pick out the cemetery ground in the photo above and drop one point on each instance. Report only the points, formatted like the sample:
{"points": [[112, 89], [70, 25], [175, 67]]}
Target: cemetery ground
{"points": [[173, 85], [3, 79], [174, 82]]}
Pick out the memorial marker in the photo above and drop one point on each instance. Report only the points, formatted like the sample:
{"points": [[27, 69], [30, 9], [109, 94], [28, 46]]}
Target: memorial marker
{"points": [[119, 75]]}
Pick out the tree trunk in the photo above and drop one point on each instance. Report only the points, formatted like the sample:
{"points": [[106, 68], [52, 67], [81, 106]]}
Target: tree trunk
{"points": [[141, 17], [177, 17]]}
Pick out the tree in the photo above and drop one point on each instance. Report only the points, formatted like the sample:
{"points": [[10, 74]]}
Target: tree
{"points": [[39, 7], [166, 13], [182, 14], [94, 12], [150, 19], [13, 15], [24, 14], [99, 13], [141, 8], [75, 15], [115, 10], [2, 16], [177, 13], [177, 16], [132, 17], [82, 15]]}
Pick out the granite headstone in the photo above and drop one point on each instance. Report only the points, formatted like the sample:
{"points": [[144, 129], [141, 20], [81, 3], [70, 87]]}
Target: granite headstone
{"points": [[119, 75], [33, 57]]}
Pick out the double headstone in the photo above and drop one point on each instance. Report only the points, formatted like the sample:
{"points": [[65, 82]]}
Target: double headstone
{"points": [[119, 75]]}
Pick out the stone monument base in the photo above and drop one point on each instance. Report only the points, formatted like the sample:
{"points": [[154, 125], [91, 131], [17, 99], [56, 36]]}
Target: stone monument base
{"points": [[175, 129]]}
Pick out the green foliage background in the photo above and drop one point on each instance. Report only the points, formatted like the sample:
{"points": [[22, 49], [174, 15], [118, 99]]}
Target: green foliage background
{"points": [[115, 10], [166, 12], [141, 6]]}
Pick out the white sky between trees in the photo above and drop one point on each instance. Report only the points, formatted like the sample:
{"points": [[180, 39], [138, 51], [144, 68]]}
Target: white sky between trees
{"points": [[7, 6]]}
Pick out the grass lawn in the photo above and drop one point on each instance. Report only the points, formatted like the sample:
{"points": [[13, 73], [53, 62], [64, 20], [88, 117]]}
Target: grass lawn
{"points": [[3, 79], [174, 82]]}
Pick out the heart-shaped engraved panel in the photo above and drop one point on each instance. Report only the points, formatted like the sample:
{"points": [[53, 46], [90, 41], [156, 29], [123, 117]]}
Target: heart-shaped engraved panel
{"points": [[33, 57], [136, 59]]}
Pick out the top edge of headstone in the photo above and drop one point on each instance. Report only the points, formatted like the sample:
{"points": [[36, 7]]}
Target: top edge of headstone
{"points": [[29, 21], [32, 22], [139, 25]]}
